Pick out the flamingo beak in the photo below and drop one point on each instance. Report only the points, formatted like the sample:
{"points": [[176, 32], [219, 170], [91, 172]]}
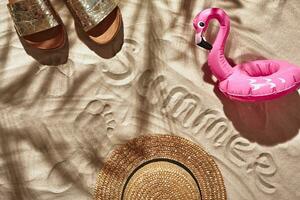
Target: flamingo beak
{"points": [[201, 42]]}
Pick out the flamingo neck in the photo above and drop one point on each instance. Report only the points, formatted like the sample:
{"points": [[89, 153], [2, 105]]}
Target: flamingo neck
{"points": [[216, 59]]}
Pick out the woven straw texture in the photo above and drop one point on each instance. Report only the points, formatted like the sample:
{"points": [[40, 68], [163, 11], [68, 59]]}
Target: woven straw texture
{"points": [[160, 167]]}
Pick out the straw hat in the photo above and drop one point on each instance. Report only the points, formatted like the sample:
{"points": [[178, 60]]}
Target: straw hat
{"points": [[160, 167]]}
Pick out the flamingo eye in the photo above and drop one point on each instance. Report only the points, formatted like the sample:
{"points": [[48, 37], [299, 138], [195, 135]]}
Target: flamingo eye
{"points": [[201, 24]]}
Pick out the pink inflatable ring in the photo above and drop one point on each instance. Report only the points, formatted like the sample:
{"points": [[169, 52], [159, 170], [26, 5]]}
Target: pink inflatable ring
{"points": [[253, 81]]}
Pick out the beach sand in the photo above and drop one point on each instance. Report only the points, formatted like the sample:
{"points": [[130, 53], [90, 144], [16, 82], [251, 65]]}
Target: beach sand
{"points": [[59, 123]]}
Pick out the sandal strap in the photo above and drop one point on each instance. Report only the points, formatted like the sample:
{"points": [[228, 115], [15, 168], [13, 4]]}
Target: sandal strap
{"points": [[32, 16], [92, 12]]}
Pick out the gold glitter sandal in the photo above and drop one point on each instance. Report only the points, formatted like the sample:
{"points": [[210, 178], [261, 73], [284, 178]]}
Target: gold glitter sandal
{"points": [[37, 23], [100, 19]]}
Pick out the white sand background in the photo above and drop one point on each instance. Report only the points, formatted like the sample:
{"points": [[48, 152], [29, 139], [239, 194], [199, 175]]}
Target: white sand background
{"points": [[58, 123]]}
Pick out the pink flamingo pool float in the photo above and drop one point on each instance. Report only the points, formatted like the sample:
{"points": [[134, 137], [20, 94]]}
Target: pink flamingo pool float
{"points": [[252, 81]]}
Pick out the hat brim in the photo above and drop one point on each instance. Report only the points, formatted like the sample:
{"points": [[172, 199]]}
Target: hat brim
{"points": [[129, 158]]}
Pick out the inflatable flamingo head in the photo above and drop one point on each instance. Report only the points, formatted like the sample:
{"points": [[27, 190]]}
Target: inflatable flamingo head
{"points": [[201, 22]]}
